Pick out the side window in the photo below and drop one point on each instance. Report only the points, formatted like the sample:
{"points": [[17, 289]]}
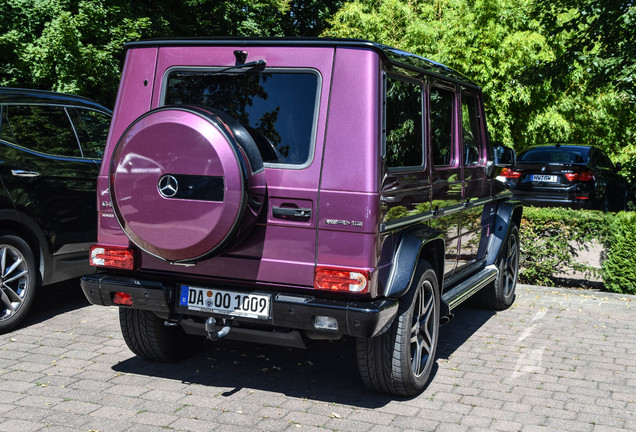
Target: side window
{"points": [[603, 160], [471, 130], [45, 129], [404, 145], [441, 112], [5, 127], [92, 130]]}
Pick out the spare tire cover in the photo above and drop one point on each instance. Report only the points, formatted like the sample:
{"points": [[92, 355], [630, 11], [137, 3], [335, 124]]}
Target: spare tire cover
{"points": [[178, 183]]}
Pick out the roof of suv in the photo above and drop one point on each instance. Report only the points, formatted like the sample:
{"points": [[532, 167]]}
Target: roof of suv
{"points": [[30, 96], [393, 56]]}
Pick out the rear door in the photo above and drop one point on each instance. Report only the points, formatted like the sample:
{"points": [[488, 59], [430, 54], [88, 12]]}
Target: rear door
{"points": [[282, 103], [476, 186], [48, 178], [446, 176]]}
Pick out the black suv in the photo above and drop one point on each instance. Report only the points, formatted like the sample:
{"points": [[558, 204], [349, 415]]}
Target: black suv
{"points": [[51, 146]]}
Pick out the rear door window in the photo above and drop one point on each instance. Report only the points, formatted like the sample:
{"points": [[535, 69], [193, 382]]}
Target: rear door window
{"points": [[278, 108], [92, 130], [41, 128]]}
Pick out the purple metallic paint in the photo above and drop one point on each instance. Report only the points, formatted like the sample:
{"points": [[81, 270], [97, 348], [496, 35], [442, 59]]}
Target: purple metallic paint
{"points": [[174, 229], [281, 244]]}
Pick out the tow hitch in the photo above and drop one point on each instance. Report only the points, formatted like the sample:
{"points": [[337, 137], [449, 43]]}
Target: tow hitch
{"points": [[210, 328]]}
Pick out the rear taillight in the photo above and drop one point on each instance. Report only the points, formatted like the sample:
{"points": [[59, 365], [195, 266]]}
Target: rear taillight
{"points": [[112, 257], [510, 173], [583, 176], [341, 280]]}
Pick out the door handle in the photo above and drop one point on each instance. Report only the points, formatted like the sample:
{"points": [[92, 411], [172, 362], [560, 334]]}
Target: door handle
{"points": [[291, 213], [24, 173]]}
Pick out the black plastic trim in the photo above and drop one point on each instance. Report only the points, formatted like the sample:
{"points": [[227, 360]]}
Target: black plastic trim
{"points": [[355, 318]]}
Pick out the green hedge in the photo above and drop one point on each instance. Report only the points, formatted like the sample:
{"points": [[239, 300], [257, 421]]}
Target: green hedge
{"points": [[552, 237]]}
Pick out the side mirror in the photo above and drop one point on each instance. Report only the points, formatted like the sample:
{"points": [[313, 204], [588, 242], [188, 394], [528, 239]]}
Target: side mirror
{"points": [[504, 156]]}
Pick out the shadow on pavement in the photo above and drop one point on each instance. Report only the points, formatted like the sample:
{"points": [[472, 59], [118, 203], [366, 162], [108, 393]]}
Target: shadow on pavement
{"points": [[53, 300], [325, 371], [468, 319]]}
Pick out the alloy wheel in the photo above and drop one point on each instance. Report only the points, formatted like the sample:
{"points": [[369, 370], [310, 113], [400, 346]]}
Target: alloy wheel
{"points": [[14, 279], [423, 334], [510, 266]]}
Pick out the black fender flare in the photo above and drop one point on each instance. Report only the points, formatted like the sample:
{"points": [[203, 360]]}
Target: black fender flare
{"points": [[507, 211], [415, 244]]}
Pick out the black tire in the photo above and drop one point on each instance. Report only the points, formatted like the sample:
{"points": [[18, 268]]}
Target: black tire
{"points": [[500, 294], [19, 280], [400, 361], [148, 337]]}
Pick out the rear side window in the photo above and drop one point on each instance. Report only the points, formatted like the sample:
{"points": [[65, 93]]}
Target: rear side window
{"points": [[554, 155], [278, 108], [441, 103], [404, 145], [44, 129], [92, 130]]}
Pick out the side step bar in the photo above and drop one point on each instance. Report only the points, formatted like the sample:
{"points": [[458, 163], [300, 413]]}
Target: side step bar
{"points": [[461, 292]]}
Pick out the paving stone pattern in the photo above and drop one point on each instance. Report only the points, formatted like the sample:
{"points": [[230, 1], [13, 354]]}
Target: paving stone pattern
{"points": [[557, 360]]}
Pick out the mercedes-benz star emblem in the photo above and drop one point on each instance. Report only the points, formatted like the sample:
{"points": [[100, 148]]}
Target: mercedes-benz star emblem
{"points": [[168, 186]]}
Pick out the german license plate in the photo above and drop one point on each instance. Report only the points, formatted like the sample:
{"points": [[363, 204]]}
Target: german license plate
{"points": [[225, 302], [544, 178]]}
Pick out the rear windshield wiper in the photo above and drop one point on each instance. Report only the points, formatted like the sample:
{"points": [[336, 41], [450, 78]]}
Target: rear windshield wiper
{"points": [[251, 65]]}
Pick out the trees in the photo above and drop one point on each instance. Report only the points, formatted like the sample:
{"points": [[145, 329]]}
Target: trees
{"points": [[67, 46], [75, 46], [592, 75], [551, 70], [536, 91]]}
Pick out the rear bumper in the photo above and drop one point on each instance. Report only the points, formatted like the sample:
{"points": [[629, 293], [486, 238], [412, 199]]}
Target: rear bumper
{"points": [[292, 311]]}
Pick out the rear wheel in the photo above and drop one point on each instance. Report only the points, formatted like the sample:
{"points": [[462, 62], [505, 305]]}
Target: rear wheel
{"points": [[501, 293], [400, 360], [18, 278], [148, 337]]}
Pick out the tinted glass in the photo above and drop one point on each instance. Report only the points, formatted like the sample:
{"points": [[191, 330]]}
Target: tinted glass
{"points": [[554, 155], [471, 130], [45, 129], [404, 146], [441, 125], [92, 130], [602, 160], [5, 128], [277, 108]]}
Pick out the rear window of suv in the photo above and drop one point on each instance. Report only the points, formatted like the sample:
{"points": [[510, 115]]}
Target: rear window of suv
{"points": [[574, 155], [278, 108]]}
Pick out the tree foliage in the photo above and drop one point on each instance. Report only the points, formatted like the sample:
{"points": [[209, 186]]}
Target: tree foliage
{"points": [[512, 48], [599, 35], [75, 46], [551, 70]]}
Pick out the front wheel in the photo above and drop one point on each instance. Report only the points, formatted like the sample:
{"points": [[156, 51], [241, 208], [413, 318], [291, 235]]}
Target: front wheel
{"points": [[400, 361], [500, 294], [19, 280]]}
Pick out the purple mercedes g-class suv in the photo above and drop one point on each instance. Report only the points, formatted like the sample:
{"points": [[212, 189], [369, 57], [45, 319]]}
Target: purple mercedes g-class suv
{"points": [[284, 190]]}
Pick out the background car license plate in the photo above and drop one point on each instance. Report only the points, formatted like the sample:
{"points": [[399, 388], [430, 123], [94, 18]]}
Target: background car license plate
{"points": [[544, 178], [225, 302]]}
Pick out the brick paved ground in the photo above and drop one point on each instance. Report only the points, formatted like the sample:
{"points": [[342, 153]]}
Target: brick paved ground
{"points": [[557, 360]]}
